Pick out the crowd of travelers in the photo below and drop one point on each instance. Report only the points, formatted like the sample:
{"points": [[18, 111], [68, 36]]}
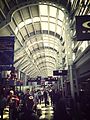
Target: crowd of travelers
{"points": [[23, 105]]}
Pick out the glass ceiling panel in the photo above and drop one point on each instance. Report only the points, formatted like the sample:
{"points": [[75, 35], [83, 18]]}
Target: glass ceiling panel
{"points": [[31, 44], [39, 53], [28, 52], [23, 31], [41, 44], [59, 30], [53, 14], [52, 27], [51, 45], [36, 19], [46, 50], [45, 44], [47, 54], [53, 20], [16, 30], [28, 21], [44, 25], [30, 48], [35, 46], [44, 18], [49, 64], [61, 15], [21, 25], [60, 23], [43, 10], [45, 37]]}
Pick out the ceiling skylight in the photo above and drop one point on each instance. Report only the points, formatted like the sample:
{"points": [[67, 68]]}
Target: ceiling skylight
{"points": [[43, 10]]}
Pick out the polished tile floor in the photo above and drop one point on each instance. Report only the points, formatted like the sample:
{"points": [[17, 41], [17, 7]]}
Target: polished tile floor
{"points": [[47, 112], [6, 114]]}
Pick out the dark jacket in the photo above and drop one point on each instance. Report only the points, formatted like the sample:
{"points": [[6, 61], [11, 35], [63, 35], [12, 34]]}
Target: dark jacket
{"points": [[60, 111]]}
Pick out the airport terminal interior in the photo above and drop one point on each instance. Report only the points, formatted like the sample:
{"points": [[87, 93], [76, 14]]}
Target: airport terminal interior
{"points": [[45, 59]]}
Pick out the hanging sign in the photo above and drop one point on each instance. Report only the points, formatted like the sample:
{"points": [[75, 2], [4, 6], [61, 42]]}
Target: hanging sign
{"points": [[83, 28], [59, 72]]}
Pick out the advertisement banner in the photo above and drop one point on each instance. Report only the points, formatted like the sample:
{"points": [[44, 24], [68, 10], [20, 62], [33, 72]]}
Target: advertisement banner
{"points": [[6, 50], [83, 28]]}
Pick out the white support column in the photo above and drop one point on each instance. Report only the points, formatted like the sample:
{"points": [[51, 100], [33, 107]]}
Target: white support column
{"points": [[62, 86], [71, 81], [58, 83], [76, 80], [25, 81], [69, 53]]}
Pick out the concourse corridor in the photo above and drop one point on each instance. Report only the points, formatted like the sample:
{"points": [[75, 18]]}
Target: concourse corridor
{"points": [[45, 51]]}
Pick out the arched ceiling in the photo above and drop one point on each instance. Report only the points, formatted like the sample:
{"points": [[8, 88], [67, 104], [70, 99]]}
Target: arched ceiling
{"points": [[38, 29]]}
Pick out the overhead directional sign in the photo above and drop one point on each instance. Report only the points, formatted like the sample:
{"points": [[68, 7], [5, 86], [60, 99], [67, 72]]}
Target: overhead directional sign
{"points": [[83, 28], [6, 50], [59, 72]]}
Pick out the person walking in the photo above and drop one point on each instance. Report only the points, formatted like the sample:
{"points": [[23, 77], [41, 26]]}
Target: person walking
{"points": [[39, 96], [29, 113], [3, 102], [13, 102], [45, 96]]}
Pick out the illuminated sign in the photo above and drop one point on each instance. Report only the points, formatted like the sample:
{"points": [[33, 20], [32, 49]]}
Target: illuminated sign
{"points": [[83, 28], [59, 72]]}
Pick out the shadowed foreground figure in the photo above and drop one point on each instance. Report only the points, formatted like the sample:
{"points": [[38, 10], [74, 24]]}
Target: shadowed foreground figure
{"points": [[3, 102], [60, 111], [13, 102], [29, 113]]}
